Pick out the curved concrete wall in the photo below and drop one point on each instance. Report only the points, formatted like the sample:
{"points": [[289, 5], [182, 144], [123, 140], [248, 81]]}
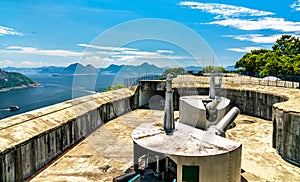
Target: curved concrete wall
{"points": [[282, 106], [31, 140]]}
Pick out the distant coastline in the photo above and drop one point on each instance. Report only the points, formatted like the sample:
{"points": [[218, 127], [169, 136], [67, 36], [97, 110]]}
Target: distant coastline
{"points": [[74, 74], [20, 87]]}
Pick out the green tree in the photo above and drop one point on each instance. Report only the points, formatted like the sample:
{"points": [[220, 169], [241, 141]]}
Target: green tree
{"points": [[253, 61], [174, 71], [215, 69], [287, 45], [296, 64], [115, 86], [283, 59]]}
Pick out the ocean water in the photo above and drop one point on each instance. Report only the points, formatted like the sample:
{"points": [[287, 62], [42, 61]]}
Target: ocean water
{"points": [[53, 89]]}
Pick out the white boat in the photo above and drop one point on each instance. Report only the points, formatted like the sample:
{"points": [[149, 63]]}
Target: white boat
{"points": [[14, 108]]}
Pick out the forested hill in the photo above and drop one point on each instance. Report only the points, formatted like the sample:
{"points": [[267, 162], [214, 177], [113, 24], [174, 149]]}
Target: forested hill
{"points": [[12, 80]]}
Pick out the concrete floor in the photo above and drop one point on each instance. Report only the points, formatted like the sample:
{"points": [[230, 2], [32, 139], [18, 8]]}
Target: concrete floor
{"points": [[259, 160], [108, 151]]}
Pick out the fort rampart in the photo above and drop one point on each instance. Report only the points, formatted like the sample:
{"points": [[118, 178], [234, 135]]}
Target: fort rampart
{"points": [[31, 140]]}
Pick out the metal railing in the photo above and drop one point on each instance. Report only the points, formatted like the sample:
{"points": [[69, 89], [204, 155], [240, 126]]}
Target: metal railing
{"points": [[133, 81], [277, 81], [226, 78]]}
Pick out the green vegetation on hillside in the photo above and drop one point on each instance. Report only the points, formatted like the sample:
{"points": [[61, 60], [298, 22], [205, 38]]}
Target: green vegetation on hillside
{"points": [[115, 86], [215, 69], [282, 59], [181, 71], [13, 79], [174, 71]]}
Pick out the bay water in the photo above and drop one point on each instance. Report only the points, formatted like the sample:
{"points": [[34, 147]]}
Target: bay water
{"points": [[53, 89]]}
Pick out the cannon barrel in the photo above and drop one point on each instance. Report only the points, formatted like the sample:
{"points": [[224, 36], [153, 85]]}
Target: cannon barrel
{"points": [[212, 106], [224, 123], [169, 123], [211, 109], [212, 91]]}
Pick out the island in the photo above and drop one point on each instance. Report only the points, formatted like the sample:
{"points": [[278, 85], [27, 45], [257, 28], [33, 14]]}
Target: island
{"points": [[14, 80]]}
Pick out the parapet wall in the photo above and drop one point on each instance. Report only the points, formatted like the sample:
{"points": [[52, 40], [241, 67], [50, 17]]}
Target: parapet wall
{"points": [[31, 140], [281, 106]]}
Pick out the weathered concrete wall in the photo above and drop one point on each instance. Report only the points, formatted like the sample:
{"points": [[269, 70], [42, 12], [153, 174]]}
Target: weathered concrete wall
{"points": [[253, 103], [282, 106], [31, 140], [286, 135]]}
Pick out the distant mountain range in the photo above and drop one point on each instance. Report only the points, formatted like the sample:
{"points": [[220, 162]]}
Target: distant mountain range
{"points": [[11, 77], [80, 69], [46, 69], [111, 69], [130, 69]]}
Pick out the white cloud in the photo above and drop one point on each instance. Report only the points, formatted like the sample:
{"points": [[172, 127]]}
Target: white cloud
{"points": [[165, 51], [260, 24], [296, 5], [6, 63], [97, 61], [243, 49], [45, 52], [25, 64], [124, 55], [98, 56], [30, 64], [256, 38], [8, 31], [224, 10], [144, 55], [126, 59], [107, 48]]}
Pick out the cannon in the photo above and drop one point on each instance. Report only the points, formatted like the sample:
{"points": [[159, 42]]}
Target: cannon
{"points": [[169, 123], [203, 111], [165, 153]]}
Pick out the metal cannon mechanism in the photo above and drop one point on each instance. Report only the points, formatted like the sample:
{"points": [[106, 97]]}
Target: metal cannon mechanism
{"points": [[208, 113], [203, 112]]}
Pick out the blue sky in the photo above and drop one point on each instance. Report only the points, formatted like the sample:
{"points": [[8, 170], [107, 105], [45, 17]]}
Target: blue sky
{"points": [[54, 32]]}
